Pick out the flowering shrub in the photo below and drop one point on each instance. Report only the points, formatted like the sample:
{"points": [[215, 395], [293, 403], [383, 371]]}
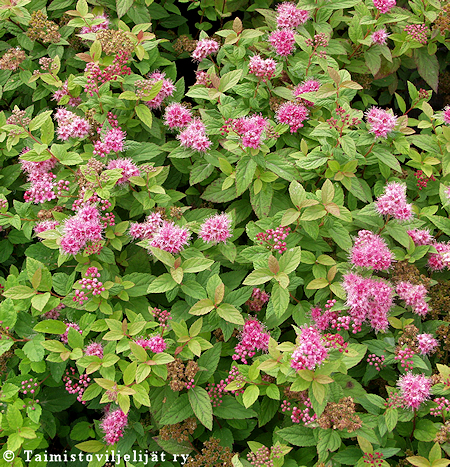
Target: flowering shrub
{"points": [[250, 270]]}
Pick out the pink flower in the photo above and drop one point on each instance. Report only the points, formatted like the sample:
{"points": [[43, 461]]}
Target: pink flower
{"points": [[257, 300], [414, 389], [129, 169], [380, 122], [393, 202], [292, 114], [216, 229], [310, 85], [112, 141], [64, 337], [45, 225], [417, 32], [94, 348], [283, 41], [113, 425], [251, 130], [194, 136], [71, 125], [170, 238], [253, 338], [64, 91], [414, 296], [157, 344], [204, 48], [261, 68], [369, 300], [380, 37], [440, 260], [289, 16], [447, 115], [310, 351], [384, 6], [166, 90], [421, 237], [371, 251], [104, 24], [42, 186], [177, 116], [427, 344], [147, 229]]}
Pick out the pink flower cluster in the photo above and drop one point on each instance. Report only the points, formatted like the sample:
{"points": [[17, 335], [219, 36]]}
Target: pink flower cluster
{"points": [[310, 351], [283, 41], [440, 260], [289, 16], [252, 338], [216, 229], [103, 21], [170, 238], [446, 114], [64, 91], [250, 129], [204, 48], [95, 348], [177, 116], [113, 425], [371, 251], [194, 136], [380, 36], [262, 68], [380, 122], [274, 239], [85, 226], [257, 300], [369, 299], [393, 202], [73, 386], [427, 344], [89, 283], [417, 32], [166, 90], [129, 169], [71, 125], [146, 230], [414, 389], [111, 137], [421, 237], [156, 344], [303, 415], [311, 85], [329, 318], [64, 337], [45, 225], [414, 296], [292, 114], [384, 6]]}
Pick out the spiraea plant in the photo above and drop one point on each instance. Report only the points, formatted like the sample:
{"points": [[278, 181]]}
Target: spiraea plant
{"points": [[229, 242]]}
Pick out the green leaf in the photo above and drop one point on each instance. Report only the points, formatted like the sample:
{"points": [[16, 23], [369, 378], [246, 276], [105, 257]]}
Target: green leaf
{"points": [[197, 264], [230, 313], [90, 446], [19, 292], [8, 315], [33, 349], [391, 418], [80, 431], [142, 111], [209, 361], [279, 299], [201, 405], [428, 67], [245, 170], [229, 80], [250, 395], [298, 435], [39, 120], [230, 409], [260, 276], [290, 260], [426, 430], [161, 284], [51, 326], [202, 307], [178, 411]]}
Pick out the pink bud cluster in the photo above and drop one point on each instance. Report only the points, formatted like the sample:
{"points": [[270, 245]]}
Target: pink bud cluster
{"points": [[257, 300], [384, 6], [216, 229], [156, 344], [104, 24], [64, 337], [216, 391], [194, 136], [329, 318], [146, 230], [94, 349], [3, 203], [289, 16], [414, 296], [405, 356], [427, 344], [96, 76], [74, 385], [54, 313], [28, 386], [71, 125], [335, 341], [393, 202], [113, 426], [170, 238], [375, 361], [443, 407], [273, 239], [303, 415], [262, 68], [414, 389], [204, 48], [129, 169], [380, 122], [167, 89], [89, 283], [311, 85], [310, 351], [64, 91], [417, 32], [380, 36], [292, 114], [45, 225], [371, 251], [253, 338], [102, 204], [421, 237], [162, 316], [283, 41], [369, 299], [85, 226], [375, 459], [177, 116]]}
